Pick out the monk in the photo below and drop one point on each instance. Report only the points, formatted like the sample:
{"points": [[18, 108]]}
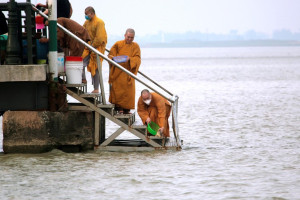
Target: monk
{"points": [[74, 47], [96, 29], [122, 86], [153, 107]]}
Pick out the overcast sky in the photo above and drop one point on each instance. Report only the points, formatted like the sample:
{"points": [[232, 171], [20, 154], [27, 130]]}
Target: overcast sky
{"points": [[173, 16]]}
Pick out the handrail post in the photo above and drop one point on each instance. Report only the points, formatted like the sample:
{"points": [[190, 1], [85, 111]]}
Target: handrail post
{"points": [[99, 68], [175, 121]]}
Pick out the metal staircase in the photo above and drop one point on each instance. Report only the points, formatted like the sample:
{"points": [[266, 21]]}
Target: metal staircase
{"points": [[126, 122]]}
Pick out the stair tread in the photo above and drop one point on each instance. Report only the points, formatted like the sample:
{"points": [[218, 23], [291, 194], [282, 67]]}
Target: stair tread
{"points": [[106, 105], [89, 94], [75, 85], [155, 138], [119, 116], [138, 124]]}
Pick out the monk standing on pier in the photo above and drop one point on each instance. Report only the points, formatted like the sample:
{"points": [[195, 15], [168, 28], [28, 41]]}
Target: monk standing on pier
{"points": [[96, 29], [122, 86], [153, 107]]}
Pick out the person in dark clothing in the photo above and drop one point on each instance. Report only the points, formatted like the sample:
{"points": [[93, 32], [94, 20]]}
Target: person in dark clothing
{"points": [[64, 8], [3, 24]]}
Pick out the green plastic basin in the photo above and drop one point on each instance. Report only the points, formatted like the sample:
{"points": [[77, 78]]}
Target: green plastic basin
{"points": [[152, 128]]}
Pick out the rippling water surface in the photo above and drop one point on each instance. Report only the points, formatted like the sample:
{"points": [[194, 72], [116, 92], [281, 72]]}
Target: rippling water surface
{"points": [[239, 118]]}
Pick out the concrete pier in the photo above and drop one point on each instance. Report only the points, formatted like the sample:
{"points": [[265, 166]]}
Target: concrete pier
{"points": [[23, 87], [42, 131], [13, 73]]}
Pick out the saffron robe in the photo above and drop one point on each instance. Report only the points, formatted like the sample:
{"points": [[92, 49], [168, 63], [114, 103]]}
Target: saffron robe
{"points": [[66, 41], [97, 32], [122, 86], [158, 111]]}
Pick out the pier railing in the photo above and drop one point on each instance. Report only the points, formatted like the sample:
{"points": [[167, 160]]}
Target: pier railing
{"points": [[173, 99]]}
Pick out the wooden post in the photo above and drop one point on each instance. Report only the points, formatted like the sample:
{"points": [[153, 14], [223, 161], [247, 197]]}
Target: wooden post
{"points": [[102, 129], [97, 129]]}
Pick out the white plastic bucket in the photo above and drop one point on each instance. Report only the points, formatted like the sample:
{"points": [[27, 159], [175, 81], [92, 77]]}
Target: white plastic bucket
{"points": [[74, 66], [60, 62]]}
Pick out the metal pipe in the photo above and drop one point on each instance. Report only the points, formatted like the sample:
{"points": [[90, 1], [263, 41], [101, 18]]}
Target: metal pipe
{"points": [[151, 80], [52, 4], [155, 83], [106, 58], [13, 47]]}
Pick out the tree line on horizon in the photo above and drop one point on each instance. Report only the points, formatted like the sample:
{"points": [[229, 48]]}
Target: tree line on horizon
{"points": [[196, 38]]}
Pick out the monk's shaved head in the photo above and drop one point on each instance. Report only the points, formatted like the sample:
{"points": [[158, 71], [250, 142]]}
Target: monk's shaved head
{"points": [[130, 30], [145, 91], [145, 94], [90, 9], [129, 35]]}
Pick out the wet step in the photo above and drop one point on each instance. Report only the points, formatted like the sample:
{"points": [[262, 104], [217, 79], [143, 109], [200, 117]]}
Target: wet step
{"points": [[109, 108], [75, 85], [77, 88], [140, 127], [94, 98], [128, 119], [131, 142]]}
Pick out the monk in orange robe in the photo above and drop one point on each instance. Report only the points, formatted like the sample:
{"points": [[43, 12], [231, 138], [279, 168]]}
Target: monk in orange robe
{"points": [[153, 107], [122, 86], [96, 29]]}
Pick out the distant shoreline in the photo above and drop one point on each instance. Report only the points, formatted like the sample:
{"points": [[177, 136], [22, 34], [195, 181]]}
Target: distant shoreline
{"points": [[234, 43]]}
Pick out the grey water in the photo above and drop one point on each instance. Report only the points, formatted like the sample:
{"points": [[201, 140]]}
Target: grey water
{"points": [[239, 119]]}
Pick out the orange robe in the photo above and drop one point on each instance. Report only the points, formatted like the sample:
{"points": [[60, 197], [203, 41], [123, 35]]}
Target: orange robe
{"points": [[158, 111], [122, 86], [97, 32], [66, 41]]}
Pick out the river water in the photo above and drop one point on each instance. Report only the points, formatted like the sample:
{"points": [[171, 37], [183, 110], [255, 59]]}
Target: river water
{"points": [[239, 119]]}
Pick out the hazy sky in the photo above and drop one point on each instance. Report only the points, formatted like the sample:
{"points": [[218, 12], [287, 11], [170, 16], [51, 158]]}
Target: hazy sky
{"points": [[212, 16]]}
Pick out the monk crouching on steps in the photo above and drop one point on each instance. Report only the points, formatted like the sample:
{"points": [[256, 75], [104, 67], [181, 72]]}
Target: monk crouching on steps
{"points": [[153, 107]]}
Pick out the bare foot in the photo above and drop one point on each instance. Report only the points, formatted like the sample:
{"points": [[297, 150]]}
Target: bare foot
{"points": [[95, 91]]}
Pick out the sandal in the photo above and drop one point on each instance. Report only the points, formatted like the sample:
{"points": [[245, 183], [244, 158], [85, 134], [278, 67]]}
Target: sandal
{"points": [[126, 111]]}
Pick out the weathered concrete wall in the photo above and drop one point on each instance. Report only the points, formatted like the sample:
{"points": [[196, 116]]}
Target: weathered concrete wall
{"points": [[11, 73], [42, 131]]}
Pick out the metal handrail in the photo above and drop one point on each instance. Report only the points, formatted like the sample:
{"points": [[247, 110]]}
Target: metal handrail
{"points": [[161, 87], [105, 57], [173, 99]]}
